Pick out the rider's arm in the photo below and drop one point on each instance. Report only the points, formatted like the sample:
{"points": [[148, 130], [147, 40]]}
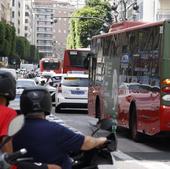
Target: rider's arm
{"points": [[52, 166], [7, 147], [91, 142]]}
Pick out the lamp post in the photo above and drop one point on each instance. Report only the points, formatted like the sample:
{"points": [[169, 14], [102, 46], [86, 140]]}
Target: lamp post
{"points": [[123, 9]]}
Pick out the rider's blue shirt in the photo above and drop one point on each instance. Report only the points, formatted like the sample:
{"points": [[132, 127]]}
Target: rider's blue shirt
{"points": [[48, 142]]}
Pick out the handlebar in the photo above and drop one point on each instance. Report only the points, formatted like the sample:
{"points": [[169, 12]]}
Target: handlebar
{"points": [[11, 158]]}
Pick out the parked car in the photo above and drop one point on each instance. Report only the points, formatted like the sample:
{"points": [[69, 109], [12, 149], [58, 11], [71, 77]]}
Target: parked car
{"points": [[72, 92], [20, 86]]}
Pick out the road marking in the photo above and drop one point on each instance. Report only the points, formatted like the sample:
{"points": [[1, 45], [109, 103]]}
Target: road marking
{"points": [[147, 164]]}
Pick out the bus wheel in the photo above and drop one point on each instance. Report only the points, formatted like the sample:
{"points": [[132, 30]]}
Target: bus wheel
{"points": [[133, 126], [98, 113]]}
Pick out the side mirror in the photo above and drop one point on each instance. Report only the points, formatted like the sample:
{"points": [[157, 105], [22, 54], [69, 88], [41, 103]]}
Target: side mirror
{"points": [[15, 125], [86, 62], [87, 59]]}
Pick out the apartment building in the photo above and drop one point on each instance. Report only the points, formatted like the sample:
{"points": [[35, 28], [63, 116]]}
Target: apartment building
{"points": [[5, 10], [43, 29], [149, 10], [28, 21], [22, 18], [154, 10], [62, 12]]}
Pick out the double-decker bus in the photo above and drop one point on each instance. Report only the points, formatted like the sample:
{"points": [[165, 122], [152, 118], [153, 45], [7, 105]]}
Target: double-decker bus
{"points": [[50, 64], [130, 77], [74, 59]]}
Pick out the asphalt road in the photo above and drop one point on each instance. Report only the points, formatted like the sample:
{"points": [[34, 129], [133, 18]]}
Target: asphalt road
{"points": [[151, 153]]}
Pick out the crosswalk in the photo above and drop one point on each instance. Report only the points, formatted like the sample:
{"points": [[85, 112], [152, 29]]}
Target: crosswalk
{"points": [[123, 161], [55, 119]]}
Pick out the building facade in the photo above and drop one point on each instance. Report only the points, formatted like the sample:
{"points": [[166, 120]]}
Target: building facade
{"points": [[43, 29], [22, 18], [149, 10], [5, 10], [62, 12], [154, 10]]}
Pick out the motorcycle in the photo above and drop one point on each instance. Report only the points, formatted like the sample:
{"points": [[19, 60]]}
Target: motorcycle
{"points": [[92, 159]]}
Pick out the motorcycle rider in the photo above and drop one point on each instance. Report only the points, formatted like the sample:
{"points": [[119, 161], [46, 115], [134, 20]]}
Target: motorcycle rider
{"points": [[48, 141], [7, 93]]}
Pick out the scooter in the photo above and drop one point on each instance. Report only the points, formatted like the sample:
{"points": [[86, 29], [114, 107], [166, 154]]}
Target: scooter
{"points": [[92, 159]]}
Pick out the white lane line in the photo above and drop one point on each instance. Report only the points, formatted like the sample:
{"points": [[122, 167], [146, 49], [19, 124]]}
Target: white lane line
{"points": [[148, 164]]}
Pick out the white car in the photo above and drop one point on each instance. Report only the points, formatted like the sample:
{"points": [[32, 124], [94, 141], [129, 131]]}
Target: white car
{"points": [[20, 86], [72, 92]]}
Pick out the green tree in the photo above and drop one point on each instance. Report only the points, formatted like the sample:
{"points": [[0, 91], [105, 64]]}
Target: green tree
{"points": [[20, 47], [13, 41], [34, 54], [7, 39], [82, 28], [2, 36]]}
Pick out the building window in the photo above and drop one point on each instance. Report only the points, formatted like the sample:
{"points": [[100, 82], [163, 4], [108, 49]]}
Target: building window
{"points": [[13, 2], [26, 27], [18, 22], [13, 14], [18, 31], [19, 4], [26, 14], [26, 20], [18, 13], [26, 35]]}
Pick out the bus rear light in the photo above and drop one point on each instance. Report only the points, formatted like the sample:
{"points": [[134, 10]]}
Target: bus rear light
{"points": [[166, 82], [59, 88], [166, 97], [166, 89]]}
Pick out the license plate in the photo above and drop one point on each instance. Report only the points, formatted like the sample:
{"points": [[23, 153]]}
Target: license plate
{"points": [[77, 92]]}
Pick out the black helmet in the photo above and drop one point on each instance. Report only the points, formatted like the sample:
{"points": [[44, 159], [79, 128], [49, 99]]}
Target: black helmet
{"points": [[7, 85], [35, 100]]}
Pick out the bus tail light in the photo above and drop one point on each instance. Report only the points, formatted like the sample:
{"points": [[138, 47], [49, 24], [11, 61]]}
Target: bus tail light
{"points": [[59, 88], [166, 89], [166, 82]]}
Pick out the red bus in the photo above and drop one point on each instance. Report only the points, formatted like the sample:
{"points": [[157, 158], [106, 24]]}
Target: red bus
{"points": [[74, 59], [130, 77], [50, 64]]}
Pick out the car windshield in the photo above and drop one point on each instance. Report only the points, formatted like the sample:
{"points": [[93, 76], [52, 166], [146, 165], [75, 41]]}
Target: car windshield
{"points": [[25, 83], [75, 81]]}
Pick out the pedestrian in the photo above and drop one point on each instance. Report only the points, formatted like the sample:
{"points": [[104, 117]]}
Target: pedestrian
{"points": [[48, 141]]}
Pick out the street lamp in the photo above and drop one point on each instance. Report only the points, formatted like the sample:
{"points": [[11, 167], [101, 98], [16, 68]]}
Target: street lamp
{"points": [[124, 7]]}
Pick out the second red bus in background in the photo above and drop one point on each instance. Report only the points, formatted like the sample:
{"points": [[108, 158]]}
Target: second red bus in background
{"points": [[50, 64], [74, 59]]}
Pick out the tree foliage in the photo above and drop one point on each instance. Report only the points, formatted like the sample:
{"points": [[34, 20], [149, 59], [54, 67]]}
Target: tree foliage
{"points": [[15, 47], [7, 39], [22, 48], [95, 13]]}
